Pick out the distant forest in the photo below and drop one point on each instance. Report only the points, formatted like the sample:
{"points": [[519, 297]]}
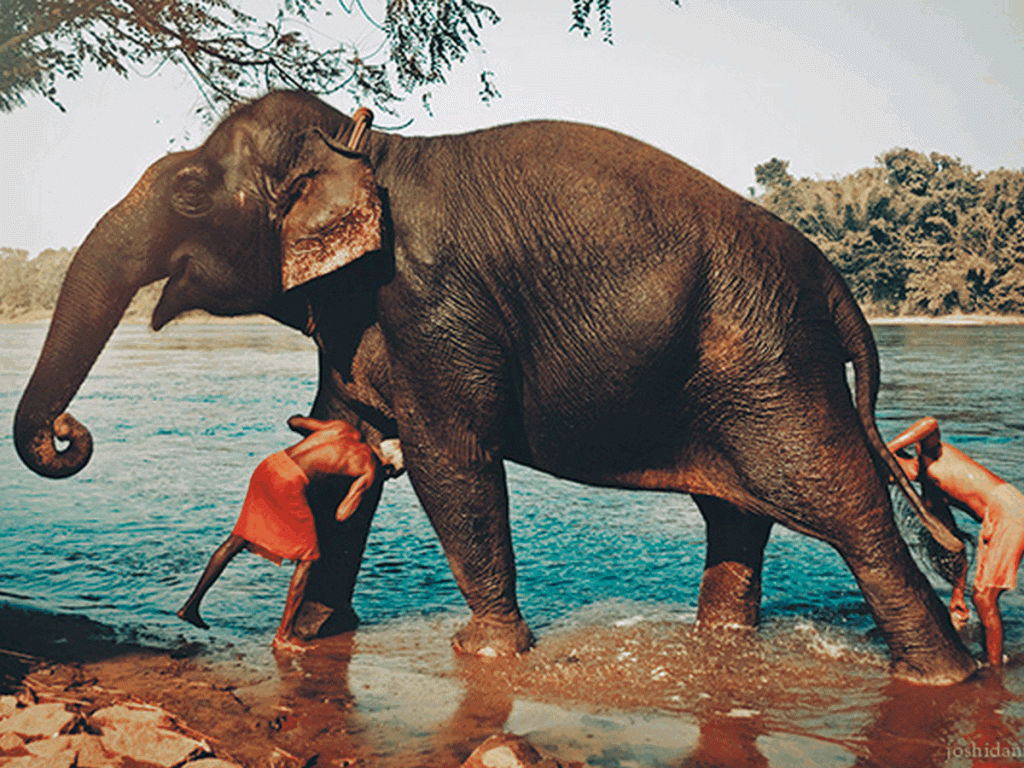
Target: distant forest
{"points": [[29, 287], [915, 235]]}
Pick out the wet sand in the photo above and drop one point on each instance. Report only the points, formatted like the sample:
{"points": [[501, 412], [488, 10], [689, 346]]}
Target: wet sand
{"points": [[403, 698], [335, 709], [629, 694]]}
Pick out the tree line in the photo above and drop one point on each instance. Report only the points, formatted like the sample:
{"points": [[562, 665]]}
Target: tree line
{"points": [[29, 287], [916, 234]]}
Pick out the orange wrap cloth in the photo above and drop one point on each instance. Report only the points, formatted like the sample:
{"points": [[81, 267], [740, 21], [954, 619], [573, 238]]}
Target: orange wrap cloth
{"points": [[276, 519], [1001, 540]]}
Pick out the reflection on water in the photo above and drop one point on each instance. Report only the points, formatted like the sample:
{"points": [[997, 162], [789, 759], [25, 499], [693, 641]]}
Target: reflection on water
{"points": [[608, 579]]}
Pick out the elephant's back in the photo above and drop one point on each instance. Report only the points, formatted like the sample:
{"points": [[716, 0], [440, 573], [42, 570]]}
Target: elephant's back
{"points": [[563, 225], [591, 169]]}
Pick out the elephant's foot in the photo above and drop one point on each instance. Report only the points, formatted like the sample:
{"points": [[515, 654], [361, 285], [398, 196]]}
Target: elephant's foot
{"points": [[491, 637], [928, 675], [933, 669], [315, 619]]}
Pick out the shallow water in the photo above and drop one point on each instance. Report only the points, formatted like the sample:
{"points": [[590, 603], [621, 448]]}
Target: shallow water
{"points": [[607, 579]]}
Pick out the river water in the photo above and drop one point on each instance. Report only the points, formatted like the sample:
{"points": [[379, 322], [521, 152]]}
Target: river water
{"points": [[608, 579]]}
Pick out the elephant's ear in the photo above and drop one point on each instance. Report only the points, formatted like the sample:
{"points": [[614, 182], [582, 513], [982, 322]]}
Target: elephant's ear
{"points": [[334, 214]]}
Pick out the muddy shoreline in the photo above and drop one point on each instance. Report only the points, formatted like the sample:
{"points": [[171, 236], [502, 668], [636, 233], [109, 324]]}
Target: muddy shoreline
{"points": [[622, 694], [371, 698], [336, 705], [313, 710]]}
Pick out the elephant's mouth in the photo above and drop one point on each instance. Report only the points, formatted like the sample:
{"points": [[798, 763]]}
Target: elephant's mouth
{"points": [[175, 298], [203, 279]]}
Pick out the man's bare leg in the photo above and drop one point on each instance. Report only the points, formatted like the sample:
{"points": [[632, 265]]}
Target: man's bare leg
{"points": [[218, 561], [286, 639], [987, 602]]}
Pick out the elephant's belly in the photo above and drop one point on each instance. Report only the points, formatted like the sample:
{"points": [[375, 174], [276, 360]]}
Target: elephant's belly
{"points": [[628, 450], [624, 415], [661, 464], [684, 478]]}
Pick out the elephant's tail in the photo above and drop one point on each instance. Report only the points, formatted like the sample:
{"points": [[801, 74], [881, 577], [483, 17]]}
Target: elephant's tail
{"points": [[859, 344]]}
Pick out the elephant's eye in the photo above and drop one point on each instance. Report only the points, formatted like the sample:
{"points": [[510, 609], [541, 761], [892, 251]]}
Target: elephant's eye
{"points": [[191, 195], [295, 192], [288, 195]]}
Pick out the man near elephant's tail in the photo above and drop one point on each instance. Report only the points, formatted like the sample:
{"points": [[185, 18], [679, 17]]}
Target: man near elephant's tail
{"points": [[276, 520], [948, 475]]}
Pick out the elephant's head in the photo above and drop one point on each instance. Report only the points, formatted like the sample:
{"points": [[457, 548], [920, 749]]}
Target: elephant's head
{"points": [[269, 202]]}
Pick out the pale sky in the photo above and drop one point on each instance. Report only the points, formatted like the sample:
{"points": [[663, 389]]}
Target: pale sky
{"points": [[721, 85]]}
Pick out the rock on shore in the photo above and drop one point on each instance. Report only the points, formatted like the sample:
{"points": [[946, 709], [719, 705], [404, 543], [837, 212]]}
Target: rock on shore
{"points": [[63, 734], [506, 750], [40, 729], [83, 725]]}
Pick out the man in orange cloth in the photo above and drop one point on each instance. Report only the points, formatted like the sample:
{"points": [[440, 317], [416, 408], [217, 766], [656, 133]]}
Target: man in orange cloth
{"points": [[276, 520], [949, 476]]}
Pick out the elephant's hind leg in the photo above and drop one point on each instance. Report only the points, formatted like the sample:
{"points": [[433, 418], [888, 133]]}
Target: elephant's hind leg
{"points": [[924, 646], [730, 590], [828, 486]]}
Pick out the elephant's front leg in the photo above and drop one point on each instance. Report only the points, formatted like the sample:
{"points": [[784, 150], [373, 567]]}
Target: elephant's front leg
{"points": [[452, 443], [730, 590], [467, 503]]}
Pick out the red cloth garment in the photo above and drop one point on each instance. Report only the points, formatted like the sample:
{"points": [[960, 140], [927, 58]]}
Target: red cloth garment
{"points": [[1001, 540], [276, 519]]}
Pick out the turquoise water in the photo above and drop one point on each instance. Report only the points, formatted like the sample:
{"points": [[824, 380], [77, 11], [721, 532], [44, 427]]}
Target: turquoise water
{"points": [[181, 418]]}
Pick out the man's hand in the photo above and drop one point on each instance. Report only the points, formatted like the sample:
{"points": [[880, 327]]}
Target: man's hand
{"points": [[306, 425], [911, 466]]}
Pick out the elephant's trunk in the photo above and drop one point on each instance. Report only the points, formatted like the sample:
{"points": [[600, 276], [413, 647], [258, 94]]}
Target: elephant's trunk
{"points": [[98, 287]]}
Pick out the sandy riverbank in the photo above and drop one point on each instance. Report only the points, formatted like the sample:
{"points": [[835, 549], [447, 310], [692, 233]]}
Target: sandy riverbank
{"points": [[955, 319], [189, 318], [379, 700], [334, 707]]}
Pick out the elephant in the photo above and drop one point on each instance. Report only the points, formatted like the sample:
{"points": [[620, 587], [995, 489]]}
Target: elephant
{"points": [[548, 293]]}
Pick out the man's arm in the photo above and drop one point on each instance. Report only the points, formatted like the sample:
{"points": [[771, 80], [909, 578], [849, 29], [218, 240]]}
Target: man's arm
{"points": [[307, 425], [363, 483], [962, 507], [919, 431]]}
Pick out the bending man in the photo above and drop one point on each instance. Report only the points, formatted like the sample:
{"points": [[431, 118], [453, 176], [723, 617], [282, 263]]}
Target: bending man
{"points": [[276, 521], [949, 476]]}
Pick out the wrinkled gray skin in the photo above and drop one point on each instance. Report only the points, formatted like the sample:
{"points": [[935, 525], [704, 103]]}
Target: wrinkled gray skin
{"points": [[549, 293]]}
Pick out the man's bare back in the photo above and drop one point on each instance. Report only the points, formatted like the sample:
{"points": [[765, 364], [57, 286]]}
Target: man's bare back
{"points": [[332, 449]]}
